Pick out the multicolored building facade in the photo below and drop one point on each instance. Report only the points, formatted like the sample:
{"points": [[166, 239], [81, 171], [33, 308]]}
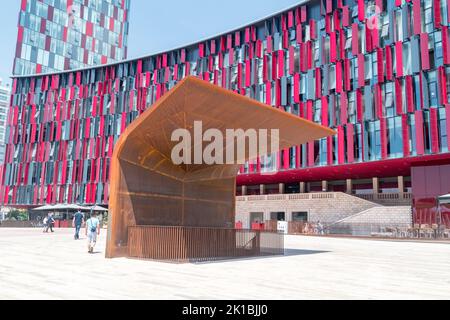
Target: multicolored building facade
{"points": [[378, 72], [56, 35], [5, 93]]}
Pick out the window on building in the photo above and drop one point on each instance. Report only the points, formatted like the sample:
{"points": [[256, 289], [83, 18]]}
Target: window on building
{"points": [[427, 131], [358, 143], [278, 216], [442, 123], [374, 140], [300, 216], [323, 152], [389, 99], [395, 139], [432, 88]]}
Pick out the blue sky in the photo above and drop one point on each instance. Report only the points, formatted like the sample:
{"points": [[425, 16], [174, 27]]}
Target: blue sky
{"points": [[158, 26]]}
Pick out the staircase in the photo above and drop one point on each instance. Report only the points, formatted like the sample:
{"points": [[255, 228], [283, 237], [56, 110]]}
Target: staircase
{"points": [[400, 215], [328, 207], [377, 220]]}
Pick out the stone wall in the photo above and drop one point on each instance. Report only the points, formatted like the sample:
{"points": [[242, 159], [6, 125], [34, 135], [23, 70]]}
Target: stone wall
{"points": [[16, 224], [326, 207]]}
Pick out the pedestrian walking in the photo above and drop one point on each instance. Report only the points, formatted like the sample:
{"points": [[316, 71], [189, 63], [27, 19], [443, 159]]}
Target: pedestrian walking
{"points": [[77, 223], [50, 223], [44, 222], [320, 228], [92, 231]]}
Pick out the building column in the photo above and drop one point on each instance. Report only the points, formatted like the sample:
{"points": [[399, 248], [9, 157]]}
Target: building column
{"points": [[302, 187], [262, 189], [401, 186], [244, 190], [349, 189], [376, 188], [324, 186], [281, 188]]}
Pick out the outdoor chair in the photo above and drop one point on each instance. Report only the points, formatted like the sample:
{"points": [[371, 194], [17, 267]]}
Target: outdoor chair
{"points": [[421, 232], [416, 231], [391, 232], [428, 232], [411, 232], [403, 232], [446, 233]]}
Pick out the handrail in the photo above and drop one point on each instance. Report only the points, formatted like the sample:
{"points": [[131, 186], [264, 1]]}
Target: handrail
{"points": [[289, 196], [327, 195]]}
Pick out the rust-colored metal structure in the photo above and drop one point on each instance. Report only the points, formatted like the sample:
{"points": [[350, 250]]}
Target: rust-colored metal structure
{"points": [[148, 189]]}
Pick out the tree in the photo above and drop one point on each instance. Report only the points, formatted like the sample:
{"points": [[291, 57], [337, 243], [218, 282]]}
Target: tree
{"points": [[18, 215]]}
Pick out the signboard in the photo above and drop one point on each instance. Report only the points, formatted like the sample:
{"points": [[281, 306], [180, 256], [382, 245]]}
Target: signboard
{"points": [[282, 227]]}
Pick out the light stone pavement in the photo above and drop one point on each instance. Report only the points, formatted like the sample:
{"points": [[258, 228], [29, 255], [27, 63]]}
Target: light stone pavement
{"points": [[34, 265]]}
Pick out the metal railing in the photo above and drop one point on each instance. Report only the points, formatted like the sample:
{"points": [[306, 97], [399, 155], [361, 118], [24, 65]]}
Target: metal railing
{"points": [[293, 196], [387, 198], [381, 198], [186, 244], [395, 231]]}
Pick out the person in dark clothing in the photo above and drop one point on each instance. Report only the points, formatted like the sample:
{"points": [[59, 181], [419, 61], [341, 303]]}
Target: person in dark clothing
{"points": [[50, 223], [78, 220]]}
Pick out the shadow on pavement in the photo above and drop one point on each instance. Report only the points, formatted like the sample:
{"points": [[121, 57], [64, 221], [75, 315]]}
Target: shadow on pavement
{"points": [[298, 252], [287, 253]]}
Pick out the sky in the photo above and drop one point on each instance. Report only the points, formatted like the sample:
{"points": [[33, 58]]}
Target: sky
{"points": [[157, 26]]}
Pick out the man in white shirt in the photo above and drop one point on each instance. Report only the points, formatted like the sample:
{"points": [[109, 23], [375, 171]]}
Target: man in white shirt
{"points": [[92, 231]]}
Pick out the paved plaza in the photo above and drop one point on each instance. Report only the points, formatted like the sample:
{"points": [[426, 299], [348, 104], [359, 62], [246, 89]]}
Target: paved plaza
{"points": [[34, 265]]}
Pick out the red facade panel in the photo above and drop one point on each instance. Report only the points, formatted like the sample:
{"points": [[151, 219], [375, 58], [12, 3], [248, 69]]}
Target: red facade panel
{"points": [[341, 145], [350, 143], [383, 138], [445, 45], [325, 121], [389, 70], [333, 46], [339, 88], [417, 17], [447, 114], [380, 65], [409, 93], [361, 10], [437, 13], [361, 70], [424, 53], [399, 58], [419, 133], [434, 130], [355, 39]]}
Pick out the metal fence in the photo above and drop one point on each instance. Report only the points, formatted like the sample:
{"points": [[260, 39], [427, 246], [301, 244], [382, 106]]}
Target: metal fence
{"points": [[18, 224], [398, 231], [185, 244]]}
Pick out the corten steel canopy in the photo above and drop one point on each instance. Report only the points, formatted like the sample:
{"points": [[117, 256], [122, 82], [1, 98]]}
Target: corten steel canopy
{"points": [[148, 189]]}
